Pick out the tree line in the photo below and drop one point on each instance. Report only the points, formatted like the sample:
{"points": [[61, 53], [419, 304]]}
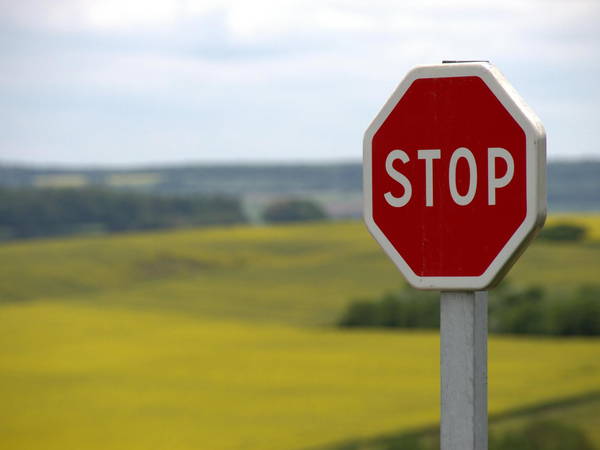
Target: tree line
{"points": [[572, 185], [41, 212], [33, 212]]}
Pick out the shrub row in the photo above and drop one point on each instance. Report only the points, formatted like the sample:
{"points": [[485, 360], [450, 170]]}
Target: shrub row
{"points": [[563, 232], [511, 310], [48, 212], [293, 210]]}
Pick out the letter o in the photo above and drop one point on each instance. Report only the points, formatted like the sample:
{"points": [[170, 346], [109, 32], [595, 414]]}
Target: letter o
{"points": [[462, 152]]}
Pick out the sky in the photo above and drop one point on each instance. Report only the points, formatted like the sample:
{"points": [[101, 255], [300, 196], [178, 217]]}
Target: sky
{"points": [[145, 82]]}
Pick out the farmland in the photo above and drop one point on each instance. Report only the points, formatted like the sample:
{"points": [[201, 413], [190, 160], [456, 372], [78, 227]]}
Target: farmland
{"points": [[297, 275], [220, 339]]}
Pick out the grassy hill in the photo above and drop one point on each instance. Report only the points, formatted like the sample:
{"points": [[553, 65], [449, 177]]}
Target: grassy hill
{"points": [[298, 274], [217, 339]]}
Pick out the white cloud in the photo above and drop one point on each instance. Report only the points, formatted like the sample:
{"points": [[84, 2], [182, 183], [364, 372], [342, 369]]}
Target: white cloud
{"points": [[131, 13]]}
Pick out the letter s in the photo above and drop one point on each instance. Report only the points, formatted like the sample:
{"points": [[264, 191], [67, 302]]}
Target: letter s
{"points": [[397, 202]]}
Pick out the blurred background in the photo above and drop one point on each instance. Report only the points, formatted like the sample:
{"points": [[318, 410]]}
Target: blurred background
{"points": [[182, 261]]}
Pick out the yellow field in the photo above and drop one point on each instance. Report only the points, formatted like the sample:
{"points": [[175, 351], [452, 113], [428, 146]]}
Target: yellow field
{"points": [[83, 377], [221, 339], [301, 274], [591, 221], [60, 180], [133, 179]]}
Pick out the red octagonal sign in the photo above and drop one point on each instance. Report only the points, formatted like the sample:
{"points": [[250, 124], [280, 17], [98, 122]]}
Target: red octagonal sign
{"points": [[454, 176]]}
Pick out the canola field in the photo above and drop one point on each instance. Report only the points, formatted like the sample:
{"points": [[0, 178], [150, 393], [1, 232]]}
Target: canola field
{"points": [[588, 220], [222, 339], [299, 275]]}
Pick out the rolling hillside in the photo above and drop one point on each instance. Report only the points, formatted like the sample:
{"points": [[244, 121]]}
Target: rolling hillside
{"points": [[219, 339], [297, 274]]}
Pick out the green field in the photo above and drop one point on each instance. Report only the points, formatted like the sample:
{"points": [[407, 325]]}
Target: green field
{"points": [[220, 339]]}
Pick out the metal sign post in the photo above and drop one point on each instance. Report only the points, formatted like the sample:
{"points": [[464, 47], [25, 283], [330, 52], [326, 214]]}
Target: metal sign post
{"points": [[463, 364]]}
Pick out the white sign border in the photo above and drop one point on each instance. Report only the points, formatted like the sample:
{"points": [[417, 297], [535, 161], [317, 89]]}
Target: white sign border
{"points": [[535, 136]]}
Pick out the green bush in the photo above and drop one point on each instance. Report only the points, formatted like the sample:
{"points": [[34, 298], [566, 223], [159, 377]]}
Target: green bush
{"points": [[511, 311], [518, 311], [360, 314], [578, 315], [402, 309], [563, 232], [293, 210]]}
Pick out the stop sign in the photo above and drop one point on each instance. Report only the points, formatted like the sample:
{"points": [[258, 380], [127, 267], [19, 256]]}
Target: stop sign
{"points": [[454, 176]]}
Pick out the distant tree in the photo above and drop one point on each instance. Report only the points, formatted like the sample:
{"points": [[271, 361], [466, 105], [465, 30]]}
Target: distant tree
{"points": [[48, 212], [518, 311], [360, 314], [401, 309], [293, 210], [563, 232], [578, 315]]}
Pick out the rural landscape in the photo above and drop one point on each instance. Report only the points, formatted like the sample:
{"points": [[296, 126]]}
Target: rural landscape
{"points": [[267, 225], [287, 333]]}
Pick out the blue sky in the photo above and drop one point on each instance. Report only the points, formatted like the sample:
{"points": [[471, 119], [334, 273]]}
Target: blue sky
{"points": [[129, 82]]}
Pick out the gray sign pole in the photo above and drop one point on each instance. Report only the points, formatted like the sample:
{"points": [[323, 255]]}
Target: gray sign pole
{"points": [[463, 348]]}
